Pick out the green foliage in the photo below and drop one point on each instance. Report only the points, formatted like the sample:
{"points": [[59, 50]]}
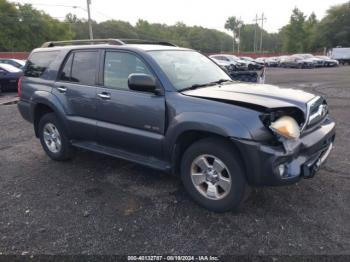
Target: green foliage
{"points": [[271, 41], [203, 39], [309, 35], [294, 34], [233, 24], [334, 29], [22, 27]]}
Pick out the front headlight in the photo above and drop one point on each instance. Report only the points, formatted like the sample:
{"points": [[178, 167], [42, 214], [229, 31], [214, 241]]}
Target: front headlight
{"points": [[287, 127]]}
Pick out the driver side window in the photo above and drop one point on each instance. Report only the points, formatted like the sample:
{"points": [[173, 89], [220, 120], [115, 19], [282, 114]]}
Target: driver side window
{"points": [[118, 66]]}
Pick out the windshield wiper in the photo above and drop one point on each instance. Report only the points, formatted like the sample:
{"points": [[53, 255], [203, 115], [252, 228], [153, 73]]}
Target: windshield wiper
{"points": [[195, 86], [221, 81]]}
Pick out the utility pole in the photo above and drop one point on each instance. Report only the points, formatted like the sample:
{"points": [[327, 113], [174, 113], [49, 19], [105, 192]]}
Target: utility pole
{"points": [[88, 2], [239, 35], [262, 29], [255, 30], [233, 43]]}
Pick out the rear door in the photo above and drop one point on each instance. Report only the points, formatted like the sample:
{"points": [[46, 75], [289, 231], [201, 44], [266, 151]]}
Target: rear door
{"points": [[76, 90], [129, 120]]}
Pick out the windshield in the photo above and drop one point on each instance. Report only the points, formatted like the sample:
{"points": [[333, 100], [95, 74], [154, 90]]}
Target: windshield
{"points": [[232, 58], [188, 68], [247, 58]]}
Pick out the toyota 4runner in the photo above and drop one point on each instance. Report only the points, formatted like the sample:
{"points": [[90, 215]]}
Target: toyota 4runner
{"points": [[175, 110]]}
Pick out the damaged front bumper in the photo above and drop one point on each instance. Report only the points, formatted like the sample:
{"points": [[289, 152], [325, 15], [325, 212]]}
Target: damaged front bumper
{"points": [[268, 165]]}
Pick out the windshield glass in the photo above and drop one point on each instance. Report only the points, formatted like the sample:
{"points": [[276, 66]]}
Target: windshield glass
{"points": [[233, 58], [188, 68]]}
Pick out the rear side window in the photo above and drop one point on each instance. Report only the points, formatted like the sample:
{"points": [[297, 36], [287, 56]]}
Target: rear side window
{"points": [[80, 67], [66, 71], [39, 62], [84, 68]]}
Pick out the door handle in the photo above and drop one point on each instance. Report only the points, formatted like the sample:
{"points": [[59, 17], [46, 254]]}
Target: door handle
{"points": [[105, 95], [62, 89]]}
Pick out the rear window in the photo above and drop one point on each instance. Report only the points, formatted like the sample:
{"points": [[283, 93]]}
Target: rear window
{"points": [[39, 62], [9, 68]]}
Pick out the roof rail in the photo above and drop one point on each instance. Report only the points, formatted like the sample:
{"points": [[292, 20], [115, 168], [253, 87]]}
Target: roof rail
{"points": [[84, 41], [146, 42], [106, 41]]}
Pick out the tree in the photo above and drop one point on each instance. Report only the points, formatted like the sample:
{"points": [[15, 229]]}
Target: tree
{"points": [[334, 28], [310, 27], [23, 28], [272, 41], [233, 24], [294, 35]]}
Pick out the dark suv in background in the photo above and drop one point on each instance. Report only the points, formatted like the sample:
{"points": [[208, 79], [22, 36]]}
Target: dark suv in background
{"points": [[175, 110]]}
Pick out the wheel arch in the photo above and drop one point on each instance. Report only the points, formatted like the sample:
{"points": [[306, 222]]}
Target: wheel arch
{"points": [[43, 103], [189, 137]]}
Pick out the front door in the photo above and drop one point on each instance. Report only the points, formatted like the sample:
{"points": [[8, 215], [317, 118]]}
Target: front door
{"points": [[129, 120]]}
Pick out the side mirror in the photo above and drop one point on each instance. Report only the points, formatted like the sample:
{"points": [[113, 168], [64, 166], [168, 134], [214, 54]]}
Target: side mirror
{"points": [[142, 82]]}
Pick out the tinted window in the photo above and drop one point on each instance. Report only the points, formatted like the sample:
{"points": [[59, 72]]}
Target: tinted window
{"points": [[118, 67], [39, 62], [65, 73], [84, 68]]}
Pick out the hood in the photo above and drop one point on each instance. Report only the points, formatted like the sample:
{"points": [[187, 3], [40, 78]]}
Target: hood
{"points": [[256, 96]]}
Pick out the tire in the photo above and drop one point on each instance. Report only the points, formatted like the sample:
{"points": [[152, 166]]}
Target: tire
{"points": [[50, 128], [219, 199]]}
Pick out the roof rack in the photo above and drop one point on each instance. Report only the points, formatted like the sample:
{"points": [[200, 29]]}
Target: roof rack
{"points": [[105, 41], [84, 41], [146, 42]]}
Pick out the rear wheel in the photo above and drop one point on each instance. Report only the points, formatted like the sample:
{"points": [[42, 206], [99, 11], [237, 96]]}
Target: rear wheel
{"points": [[213, 175], [53, 138]]}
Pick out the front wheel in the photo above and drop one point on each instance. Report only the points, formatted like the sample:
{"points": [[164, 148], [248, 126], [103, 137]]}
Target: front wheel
{"points": [[212, 174]]}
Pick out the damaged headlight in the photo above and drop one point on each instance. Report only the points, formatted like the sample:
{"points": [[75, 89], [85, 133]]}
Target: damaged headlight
{"points": [[286, 127]]}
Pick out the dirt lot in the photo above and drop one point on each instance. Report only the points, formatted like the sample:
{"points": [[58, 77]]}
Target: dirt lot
{"points": [[95, 204]]}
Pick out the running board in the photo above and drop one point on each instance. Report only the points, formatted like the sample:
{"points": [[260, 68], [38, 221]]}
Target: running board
{"points": [[139, 159]]}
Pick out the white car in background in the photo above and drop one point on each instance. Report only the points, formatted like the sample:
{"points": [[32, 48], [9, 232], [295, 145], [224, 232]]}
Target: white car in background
{"points": [[226, 65], [254, 65], [327, 61], [312, 59], [240, 65]]}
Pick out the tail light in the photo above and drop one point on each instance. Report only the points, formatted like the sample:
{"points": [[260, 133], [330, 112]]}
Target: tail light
{"points": [[19, 87]]}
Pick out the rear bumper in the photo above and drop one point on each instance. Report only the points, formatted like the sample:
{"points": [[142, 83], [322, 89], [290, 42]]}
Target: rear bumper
{"points": [[274, 165]]}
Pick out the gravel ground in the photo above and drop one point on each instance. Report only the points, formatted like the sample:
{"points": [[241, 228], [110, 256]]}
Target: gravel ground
{"points": [[95, 204]]}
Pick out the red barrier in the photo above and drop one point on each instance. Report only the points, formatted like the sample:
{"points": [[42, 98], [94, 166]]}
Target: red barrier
{"points": [[15, 55]]}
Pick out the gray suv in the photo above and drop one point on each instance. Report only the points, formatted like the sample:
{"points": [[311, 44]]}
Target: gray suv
{"points": [[175, 110]]}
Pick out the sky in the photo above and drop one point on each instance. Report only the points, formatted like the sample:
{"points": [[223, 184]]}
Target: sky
{"points": [[210, 14]]}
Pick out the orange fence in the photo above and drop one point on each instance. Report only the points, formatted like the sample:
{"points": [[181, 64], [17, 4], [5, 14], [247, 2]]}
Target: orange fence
{"points": [[16, 55]]}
